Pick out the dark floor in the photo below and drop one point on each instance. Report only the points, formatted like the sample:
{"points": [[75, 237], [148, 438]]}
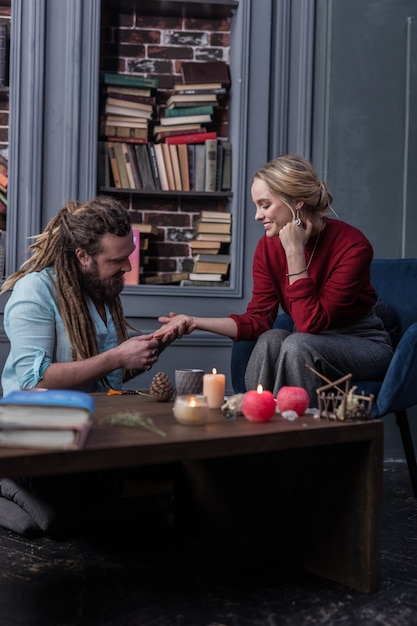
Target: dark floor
{"points": [[138, 576]]}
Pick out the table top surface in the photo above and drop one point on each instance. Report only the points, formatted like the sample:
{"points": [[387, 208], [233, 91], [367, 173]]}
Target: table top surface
{"points": [[110, 446]]}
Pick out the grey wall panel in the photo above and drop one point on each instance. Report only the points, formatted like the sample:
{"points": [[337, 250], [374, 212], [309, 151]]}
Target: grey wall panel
{"points": [[365, 139]]}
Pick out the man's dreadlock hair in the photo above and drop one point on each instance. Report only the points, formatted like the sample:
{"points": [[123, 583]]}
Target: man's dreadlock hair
{"points": [[77, 225]]}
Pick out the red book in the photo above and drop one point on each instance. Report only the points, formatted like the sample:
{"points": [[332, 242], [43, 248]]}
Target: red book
{"points": [[132, 277], [191, 138]]}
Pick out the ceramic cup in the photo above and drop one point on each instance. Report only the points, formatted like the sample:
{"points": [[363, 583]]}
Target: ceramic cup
{"points": [[189, 381]]}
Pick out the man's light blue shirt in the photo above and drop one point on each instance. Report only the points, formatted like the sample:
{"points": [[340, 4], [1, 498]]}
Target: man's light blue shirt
{"points": [[37, 335]]}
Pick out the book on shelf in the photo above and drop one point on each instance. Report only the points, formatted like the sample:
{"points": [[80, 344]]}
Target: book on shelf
{"points": [[210, 165], [158, 129], [203, 89], [213, 227], [215, 216], [4, 52], [129, 140], [123, 111], [168, 166], [208, 87], [114, 165], [185, 129], [3, 180], [211, 263], [126, 121], [144, 166], [201, 72], [132, 92], [219, 166], [132, 277], [219, 237], [59, 418], [191, 164], [188, 112], [184, 166], [154, 166], [141, 96], [4, 165], [121, 163], [128, 80], [209, 276], [124, 132], [129, 167], [130, 106], [191, 100], [185, 119], [146, 229], [226, 184], [131, 153], [104, 177], [205, 283], [200, 166], [173, 152], [191, 138], [206, 247], [167, 278], [163, 178]]}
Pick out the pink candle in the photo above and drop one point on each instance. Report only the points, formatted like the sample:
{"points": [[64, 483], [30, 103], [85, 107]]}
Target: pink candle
{"points": [[213, 388], [259, 405]]}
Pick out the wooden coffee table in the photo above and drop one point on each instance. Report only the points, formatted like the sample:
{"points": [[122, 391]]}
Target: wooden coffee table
{"points": [[308, 491]]}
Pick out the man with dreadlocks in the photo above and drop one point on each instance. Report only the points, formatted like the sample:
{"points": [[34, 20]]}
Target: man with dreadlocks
{"points": [[64, 318], [66, 328]]}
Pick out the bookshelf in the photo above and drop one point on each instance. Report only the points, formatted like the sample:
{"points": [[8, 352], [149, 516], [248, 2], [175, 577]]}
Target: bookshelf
{"points": [[130, 13]]}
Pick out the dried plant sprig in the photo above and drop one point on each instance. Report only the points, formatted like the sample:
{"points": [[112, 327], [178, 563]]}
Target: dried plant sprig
{"points": [[133, 420]]}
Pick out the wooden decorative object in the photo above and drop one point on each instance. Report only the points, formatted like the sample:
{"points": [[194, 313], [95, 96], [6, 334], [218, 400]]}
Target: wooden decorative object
{"points": [[338, 401]]}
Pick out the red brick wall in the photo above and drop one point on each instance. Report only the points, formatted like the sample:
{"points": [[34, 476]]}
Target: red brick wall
{"points": [[155, 46]]}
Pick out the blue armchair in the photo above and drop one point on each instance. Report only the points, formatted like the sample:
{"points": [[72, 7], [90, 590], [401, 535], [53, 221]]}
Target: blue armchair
{"points": [[395, 281]]}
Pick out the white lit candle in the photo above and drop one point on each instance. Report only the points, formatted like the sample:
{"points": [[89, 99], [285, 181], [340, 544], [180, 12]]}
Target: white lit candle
{"points": [[190, 409], [213, 388]]}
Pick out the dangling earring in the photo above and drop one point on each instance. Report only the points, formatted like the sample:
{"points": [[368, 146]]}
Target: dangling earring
{"points": [[297, 219]]}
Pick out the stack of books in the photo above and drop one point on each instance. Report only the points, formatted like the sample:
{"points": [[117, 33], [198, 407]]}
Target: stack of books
{"points": [[128, 108], [193, 153], [212, 234], [53, 418], [128, 105]]}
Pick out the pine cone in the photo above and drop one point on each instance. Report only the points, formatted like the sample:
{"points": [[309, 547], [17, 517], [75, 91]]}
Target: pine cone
{"points": [[161, 388]]}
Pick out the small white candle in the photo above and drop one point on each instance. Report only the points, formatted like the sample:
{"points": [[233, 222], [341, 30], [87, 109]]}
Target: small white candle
{"points": [[213, 388], [190, 409]]}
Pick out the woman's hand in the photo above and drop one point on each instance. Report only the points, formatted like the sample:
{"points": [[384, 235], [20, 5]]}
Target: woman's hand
{"points": [[174, 327], [294, 237]]}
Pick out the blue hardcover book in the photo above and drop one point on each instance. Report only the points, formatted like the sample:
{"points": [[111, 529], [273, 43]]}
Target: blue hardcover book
{"points": [[46, 418]]}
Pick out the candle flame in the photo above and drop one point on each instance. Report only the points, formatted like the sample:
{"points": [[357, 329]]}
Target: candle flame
{"points": [[259, 389], [193, 402], [214, 371]]}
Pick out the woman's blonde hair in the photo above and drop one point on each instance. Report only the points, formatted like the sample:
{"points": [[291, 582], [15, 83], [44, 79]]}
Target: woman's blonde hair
{"points": [[293, 179]]}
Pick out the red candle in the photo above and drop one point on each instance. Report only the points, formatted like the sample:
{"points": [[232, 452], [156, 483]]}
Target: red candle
{"points": [[259, 405], [292, 399]]}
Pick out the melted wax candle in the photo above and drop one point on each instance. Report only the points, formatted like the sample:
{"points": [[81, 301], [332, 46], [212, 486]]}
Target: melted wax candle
{"points": [[259, 405], [213, 388], [190, 409]]}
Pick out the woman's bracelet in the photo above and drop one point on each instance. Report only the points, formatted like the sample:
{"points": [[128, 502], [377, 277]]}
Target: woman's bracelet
{"points": [[297, 273]]}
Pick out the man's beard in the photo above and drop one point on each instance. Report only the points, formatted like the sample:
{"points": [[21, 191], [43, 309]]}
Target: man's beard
{"points": [[101, 290]]}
